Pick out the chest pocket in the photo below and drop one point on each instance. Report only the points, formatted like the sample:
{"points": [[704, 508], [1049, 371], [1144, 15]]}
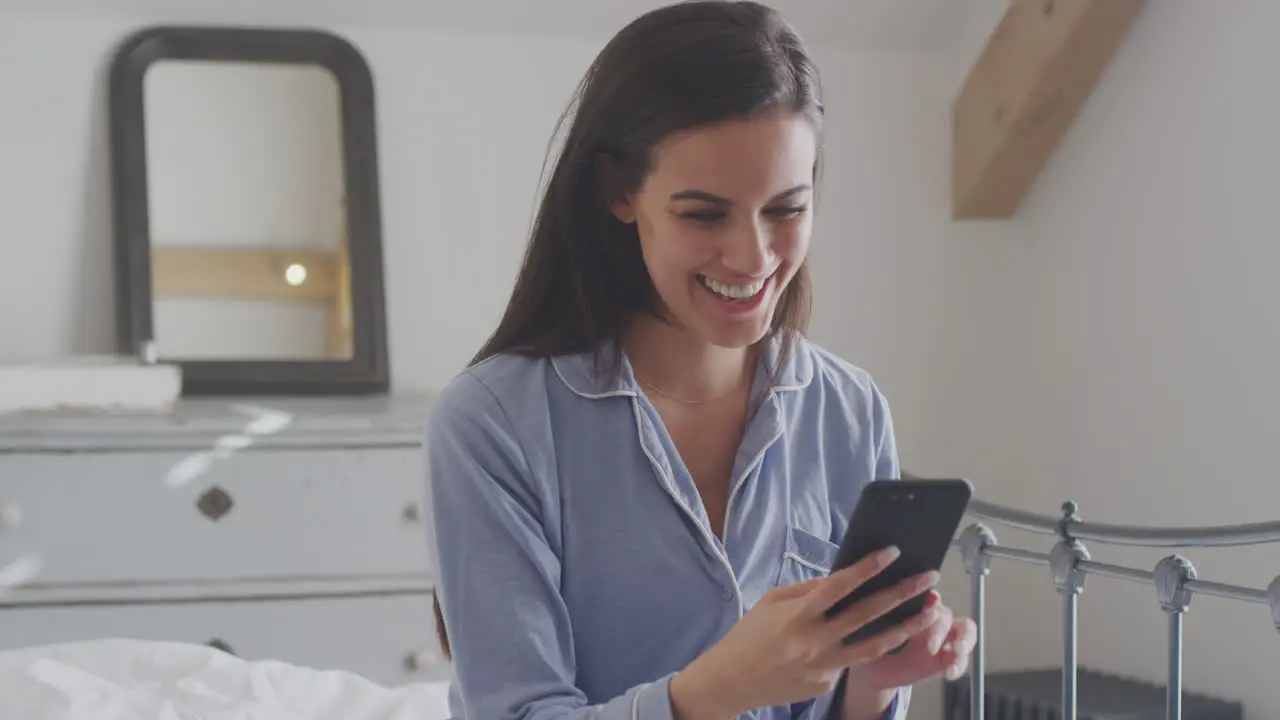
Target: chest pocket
{"points": [[805, 556]]}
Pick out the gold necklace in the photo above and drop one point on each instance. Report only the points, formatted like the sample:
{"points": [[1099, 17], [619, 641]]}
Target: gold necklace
{"points": [[683, 401]]}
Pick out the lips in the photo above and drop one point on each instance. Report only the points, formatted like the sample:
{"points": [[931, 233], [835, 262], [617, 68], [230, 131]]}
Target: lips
{"points": [[737, 300], [734, 292]]}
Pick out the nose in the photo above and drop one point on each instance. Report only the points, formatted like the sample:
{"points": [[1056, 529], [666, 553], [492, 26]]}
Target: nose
{"points": [[747, 251]]}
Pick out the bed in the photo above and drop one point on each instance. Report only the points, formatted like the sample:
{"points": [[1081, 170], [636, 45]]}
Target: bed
{"points": [[135, 680]]}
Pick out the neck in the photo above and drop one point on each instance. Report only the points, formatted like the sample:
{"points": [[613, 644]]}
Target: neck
{"points": [[679, 364]]}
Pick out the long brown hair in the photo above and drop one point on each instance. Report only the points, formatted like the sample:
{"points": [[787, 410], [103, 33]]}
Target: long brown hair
{"points": [[686, 65]]}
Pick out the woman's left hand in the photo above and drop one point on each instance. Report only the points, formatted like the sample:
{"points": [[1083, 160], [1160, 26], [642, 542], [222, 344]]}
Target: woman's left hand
{"points": [[942, 649]]}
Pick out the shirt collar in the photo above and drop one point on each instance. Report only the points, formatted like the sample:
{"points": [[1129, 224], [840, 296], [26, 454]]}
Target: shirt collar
{"points": [[580, 374]]}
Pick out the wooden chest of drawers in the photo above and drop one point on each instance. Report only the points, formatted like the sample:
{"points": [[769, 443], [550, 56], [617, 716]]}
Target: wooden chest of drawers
{"points": [[285, 529]]}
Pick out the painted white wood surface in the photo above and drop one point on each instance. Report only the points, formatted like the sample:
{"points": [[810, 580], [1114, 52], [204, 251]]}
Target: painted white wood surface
{"points": [[110, 517], [322, 561], [196, 424], [187, 591]]}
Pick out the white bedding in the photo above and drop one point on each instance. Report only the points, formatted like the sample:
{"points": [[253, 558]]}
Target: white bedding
{"points": [[135, 680]]}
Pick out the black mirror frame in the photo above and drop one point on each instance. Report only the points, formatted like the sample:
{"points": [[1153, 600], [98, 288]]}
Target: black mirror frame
{"points": [[368, 370]]}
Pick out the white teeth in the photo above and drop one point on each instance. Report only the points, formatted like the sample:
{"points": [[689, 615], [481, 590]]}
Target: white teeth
{"points": [[733, 292]]}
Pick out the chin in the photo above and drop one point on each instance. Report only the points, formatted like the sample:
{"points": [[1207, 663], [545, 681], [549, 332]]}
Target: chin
{"points": [[735, 338]]}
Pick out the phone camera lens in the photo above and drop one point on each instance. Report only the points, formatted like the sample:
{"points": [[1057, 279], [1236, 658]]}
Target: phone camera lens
{"points": [[911, 496]]}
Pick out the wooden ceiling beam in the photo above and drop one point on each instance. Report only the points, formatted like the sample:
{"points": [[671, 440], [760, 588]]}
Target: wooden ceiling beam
{"points": [[1037, 70]]}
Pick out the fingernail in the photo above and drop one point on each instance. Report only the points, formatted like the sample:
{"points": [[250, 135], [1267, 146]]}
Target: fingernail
{"points": [[932, 601], [890, 554]]}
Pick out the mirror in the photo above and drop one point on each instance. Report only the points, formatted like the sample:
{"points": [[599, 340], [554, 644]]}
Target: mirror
{"points": [[247, 218], [245, 205]]}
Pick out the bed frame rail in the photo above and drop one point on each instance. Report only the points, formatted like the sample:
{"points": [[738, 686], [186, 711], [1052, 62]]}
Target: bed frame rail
{"points": [[1174, 578]]}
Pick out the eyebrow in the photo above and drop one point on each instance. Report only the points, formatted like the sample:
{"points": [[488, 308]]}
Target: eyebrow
{"points": [[714, 199]]}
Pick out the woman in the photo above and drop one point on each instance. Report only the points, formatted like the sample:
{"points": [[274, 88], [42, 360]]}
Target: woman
{"points": [[639, 484]]}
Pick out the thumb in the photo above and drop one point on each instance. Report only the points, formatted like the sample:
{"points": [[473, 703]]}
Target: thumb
{"points": [[914, 664]]}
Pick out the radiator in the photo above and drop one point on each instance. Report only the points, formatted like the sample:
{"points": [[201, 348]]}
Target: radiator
{"points": [[1035, 695]]}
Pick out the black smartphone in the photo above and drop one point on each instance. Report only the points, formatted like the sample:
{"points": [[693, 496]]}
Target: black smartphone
{"points": [[919, 517]]}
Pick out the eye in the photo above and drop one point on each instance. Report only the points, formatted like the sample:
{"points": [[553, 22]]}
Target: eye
{"points": [[784, 213], [706, 217]]}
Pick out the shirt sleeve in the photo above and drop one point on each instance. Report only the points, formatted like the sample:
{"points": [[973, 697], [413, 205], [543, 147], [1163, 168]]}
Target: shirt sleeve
{"points": [[901, 703], [885, 444], [498, 577], [824, 707]]}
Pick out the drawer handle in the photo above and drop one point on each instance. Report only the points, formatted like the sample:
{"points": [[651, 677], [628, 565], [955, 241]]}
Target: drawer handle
{"points": [[215, 503], [222, 645], [10, 516], [420, 661]]}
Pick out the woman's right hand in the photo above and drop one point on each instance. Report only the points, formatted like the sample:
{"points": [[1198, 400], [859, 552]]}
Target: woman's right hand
{"points": [[786, 649]]}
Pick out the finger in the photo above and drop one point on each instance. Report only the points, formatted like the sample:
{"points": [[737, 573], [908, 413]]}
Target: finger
{"points": [[881, 643], [968, 634], [940, 631], [956, 654], [883, 602], [842, 582], [963, 636], [957, 669], [794, 590]]}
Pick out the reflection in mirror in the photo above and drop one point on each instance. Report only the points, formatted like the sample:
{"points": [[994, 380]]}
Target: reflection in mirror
{"points": [[249, 258]]}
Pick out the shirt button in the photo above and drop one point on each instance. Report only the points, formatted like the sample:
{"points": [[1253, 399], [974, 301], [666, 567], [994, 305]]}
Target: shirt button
{"points": [[728, 594]]}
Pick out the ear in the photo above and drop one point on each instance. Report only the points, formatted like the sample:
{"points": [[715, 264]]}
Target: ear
{"points": [[624, 211], [609, 180]]}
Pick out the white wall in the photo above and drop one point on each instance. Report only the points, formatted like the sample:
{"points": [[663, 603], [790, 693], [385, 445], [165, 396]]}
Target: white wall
{"points": [[1127, 321], [464, 120]]}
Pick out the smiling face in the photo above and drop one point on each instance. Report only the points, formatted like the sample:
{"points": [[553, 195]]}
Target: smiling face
{"points": [[724, 219]]}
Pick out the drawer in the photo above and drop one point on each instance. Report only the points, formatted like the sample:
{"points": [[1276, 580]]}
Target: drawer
{"points": [[389, 640], [114, 517]]}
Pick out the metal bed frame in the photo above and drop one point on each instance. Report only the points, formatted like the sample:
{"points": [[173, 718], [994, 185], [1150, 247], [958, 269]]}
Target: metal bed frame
{"points": [[1174, 578]]}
